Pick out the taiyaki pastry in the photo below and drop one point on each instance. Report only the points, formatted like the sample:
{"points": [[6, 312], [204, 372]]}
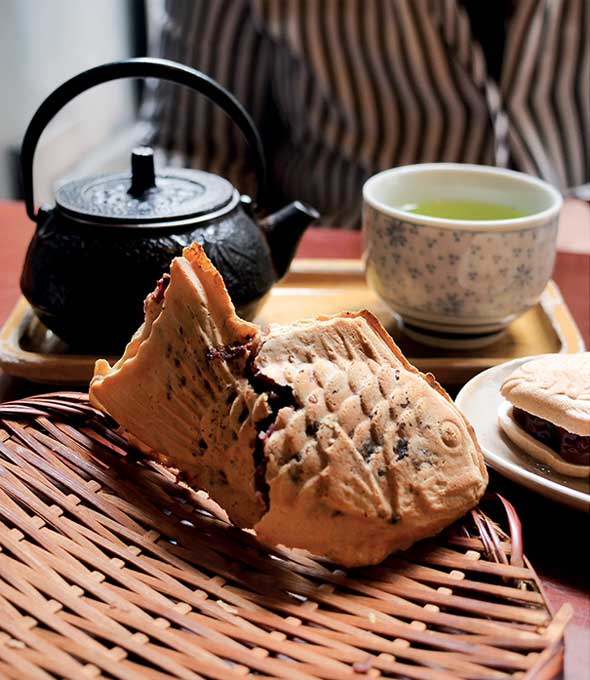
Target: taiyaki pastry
{"points": [[546, 411], [317, 434]]}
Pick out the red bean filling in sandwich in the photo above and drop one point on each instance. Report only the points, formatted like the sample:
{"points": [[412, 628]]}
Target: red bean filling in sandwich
{"points": [[573, 448]]}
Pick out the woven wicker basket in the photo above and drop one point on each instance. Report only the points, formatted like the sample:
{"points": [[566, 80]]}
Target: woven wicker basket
{"points": [[108, 568]]}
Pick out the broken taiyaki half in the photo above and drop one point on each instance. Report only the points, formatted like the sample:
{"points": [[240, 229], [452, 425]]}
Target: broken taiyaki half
{"points": [[318, 434]]}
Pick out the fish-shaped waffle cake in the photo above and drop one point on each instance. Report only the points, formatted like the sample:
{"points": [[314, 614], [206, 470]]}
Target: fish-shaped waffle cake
{"points": [[317, 434]]}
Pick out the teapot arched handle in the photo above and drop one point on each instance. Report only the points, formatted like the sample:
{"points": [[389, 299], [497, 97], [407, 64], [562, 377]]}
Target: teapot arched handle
{"points": [[142, 67]]}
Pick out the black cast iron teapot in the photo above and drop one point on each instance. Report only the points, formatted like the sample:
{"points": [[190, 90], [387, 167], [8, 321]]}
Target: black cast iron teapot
{"points": [[97, 254]]}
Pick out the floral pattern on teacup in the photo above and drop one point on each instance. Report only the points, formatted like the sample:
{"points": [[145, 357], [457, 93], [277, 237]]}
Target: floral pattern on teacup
{"points": [[451, 274]]}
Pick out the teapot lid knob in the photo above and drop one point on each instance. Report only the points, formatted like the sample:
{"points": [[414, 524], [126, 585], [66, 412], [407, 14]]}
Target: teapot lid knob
{"points": [[143, 176]]}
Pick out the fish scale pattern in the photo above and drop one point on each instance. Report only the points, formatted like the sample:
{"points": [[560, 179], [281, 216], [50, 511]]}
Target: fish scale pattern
{"points": [[370, 444]]}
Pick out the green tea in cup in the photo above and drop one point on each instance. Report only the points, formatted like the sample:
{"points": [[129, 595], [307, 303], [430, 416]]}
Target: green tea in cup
{"points": [[458, 251], [463, 210]]}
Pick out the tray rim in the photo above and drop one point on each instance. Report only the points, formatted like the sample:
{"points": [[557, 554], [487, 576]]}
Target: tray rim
{"points": [[66, 369]]}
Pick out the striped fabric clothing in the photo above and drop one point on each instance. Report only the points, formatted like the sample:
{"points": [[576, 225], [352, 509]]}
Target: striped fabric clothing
{"points": [[341, 89]]}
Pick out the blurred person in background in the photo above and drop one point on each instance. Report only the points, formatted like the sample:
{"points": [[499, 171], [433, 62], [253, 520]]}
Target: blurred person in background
{"points": [[341, 89]]}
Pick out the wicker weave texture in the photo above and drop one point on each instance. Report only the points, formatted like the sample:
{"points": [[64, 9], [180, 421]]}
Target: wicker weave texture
{"points": [[108, 568]]}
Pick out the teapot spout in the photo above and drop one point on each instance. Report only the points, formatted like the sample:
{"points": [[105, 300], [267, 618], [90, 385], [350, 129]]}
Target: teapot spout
{"points": [[284, 230]]}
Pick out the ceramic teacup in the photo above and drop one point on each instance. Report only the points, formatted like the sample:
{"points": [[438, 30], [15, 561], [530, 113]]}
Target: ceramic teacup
{"points": [[454, 282]]}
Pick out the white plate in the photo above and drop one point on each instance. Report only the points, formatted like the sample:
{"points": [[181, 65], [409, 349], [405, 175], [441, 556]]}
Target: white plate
{"points": [[479, 400]]}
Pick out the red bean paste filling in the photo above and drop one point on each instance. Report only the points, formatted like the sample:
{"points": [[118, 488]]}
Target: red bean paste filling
{"points": [[279, 396], [573, 448], [158, 293]]}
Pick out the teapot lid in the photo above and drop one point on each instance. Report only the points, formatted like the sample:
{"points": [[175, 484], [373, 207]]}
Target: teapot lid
{"points": [[144, 197]]}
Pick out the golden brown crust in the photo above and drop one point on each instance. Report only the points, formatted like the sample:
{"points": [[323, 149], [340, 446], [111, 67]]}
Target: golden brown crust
{"points": [[370, 457], [231, 328], [362, 453], [429, 377], [189, 405]]}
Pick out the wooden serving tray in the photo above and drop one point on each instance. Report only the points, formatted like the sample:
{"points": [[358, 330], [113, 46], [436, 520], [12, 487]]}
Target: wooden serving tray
{"points": [[312, 287], [110, 569]]}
